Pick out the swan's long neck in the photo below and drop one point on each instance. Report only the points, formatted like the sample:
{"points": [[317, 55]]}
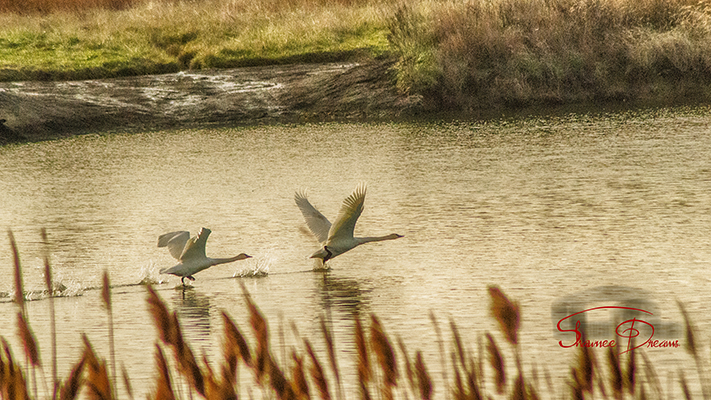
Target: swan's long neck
{"points": [[377, 238], [216, 261]]}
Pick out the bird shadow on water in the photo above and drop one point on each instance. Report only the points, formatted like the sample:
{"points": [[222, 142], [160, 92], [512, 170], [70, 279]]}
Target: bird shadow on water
{"points": [[342, 295], [193, 309]]}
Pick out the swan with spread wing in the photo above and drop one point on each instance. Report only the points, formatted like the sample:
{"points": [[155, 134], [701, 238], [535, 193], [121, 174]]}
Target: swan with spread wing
{"points": [[337, 238], [190, 252]]}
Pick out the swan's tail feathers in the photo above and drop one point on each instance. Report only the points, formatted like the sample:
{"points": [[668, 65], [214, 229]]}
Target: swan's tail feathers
{"points": [[171, 270]]}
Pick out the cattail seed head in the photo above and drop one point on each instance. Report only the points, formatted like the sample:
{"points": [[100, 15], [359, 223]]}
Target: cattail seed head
{"points": [[506, 313]]}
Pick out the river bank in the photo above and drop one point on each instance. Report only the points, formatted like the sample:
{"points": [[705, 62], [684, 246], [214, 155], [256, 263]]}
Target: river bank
{"points": [[246, 63], [35, 111]]}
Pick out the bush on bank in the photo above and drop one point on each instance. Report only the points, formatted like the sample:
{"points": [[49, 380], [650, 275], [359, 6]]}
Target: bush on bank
{"points": [[479, 54]]}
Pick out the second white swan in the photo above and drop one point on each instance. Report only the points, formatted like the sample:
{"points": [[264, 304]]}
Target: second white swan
{"points": [[337, 238]]}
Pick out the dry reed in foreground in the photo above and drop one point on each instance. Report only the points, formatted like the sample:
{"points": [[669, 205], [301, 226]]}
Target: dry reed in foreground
{"points": [[383, 370]]}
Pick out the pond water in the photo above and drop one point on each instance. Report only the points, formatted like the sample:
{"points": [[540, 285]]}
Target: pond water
{"points": [[559, 211]]}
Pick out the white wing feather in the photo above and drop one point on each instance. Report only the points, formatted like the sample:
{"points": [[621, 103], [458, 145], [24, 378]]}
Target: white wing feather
{"points": [[343, 227], [195, 247], [317, 222], [175, 241]]}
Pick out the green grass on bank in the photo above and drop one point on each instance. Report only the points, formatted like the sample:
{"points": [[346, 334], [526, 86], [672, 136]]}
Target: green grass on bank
{"points": [[163, 36], [463, 54]]}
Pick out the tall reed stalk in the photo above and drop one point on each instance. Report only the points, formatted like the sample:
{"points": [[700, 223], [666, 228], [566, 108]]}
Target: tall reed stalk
{"points": [[17, 274], [52, 322], [692, 348], [331, 348], [28, 338], [440, 343], [106, 297]]}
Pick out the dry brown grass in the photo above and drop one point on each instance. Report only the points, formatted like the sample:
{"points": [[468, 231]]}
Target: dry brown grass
{"points": [[480, 54], [470, 54], [317, 374], [13, 384], [74, 382], [98, 384], [616, 380], [44, 6], [29, 342], [163, 385]]}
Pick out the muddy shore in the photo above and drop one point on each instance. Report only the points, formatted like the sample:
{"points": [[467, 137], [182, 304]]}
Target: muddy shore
{"points": [[35, 111]]}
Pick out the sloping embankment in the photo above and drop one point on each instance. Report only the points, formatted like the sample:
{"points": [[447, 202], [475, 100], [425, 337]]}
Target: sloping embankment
{"points": [[306, 92]]}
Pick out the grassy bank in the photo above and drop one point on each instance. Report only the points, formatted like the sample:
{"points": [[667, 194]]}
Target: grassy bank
{"points": [[464, 55], [384, 368], [77, 39]]}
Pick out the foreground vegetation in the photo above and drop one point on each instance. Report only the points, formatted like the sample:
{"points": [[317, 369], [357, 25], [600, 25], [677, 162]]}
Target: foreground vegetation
{"points": [[465, 54], [383, 369]]}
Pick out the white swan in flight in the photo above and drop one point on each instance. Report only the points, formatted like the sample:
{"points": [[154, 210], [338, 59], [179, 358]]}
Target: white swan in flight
{"points": [[337, 238], [191, 253]]}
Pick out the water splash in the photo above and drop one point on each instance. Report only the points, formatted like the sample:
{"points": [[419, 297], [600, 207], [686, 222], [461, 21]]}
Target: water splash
{"points": [[150, 275], [67, 288], [258, 268], [60, 288], [320, 266]]}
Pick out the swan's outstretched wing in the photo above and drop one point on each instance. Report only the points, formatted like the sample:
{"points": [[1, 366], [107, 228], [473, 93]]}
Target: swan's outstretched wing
{"points": [[175, 241], [317, 223], [351, 209], [195, 248]]}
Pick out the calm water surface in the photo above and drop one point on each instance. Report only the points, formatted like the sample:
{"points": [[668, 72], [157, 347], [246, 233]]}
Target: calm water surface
{"points": [[547, 208]]}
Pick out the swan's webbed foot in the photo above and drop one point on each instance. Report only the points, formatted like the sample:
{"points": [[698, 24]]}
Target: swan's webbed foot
{"points": [[183, 279]]}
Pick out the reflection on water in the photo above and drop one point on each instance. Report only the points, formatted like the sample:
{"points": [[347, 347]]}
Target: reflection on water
{"points": [[193, 310], [342, 295], [561, 212]]}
